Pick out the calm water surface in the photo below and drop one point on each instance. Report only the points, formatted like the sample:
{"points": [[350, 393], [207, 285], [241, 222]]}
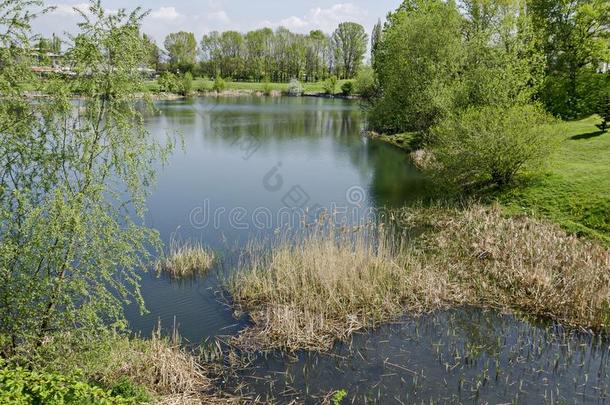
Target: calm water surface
{"points": [[242, 166]]}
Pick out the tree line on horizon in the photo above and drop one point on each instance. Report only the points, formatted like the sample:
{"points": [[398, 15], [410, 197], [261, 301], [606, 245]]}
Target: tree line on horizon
{"points": [[264, 54]]}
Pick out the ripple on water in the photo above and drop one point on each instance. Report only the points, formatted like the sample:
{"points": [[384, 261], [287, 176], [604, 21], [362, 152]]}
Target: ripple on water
{"points": [[456, 356]]}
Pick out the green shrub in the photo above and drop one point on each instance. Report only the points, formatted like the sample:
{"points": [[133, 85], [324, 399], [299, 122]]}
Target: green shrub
{"points": [[21, 386], [125, 388], [330, 85], [347, 88], [219, 84], [187, 84], [168, 83], [364, 84], [490, 145], [295, 88]]}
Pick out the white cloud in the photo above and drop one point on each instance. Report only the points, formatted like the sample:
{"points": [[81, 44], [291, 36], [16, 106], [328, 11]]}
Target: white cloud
{"points": [[326, 19], [218, 16], [69, 9], [165, 13]]}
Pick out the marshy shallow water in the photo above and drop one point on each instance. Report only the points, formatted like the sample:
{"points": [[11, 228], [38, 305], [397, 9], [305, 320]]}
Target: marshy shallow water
{"points": [[244, 165]]}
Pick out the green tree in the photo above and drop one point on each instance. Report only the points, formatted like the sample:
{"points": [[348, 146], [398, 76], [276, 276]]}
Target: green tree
{"points": [[44, 47], [152, 57], [182, 49], [575, 37], [232, 54], [604, 111], [56, 44], [186, 87], [74, 181], [376, 38], [349, 41], [365, 85], [417, 65], [503, 65]]}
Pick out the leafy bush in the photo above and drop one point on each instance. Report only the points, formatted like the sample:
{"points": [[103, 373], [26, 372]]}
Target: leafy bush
{"points": [[364, 85], [187, 84], [21, 386], [347, 88], [490, 145], [125, 388], [295, 88], [219, 84], [330, 85], [267, 88], [168, 83]]}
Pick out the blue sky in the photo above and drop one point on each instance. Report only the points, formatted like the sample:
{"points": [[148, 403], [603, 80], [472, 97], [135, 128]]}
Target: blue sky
{"points": [[241, 15]]}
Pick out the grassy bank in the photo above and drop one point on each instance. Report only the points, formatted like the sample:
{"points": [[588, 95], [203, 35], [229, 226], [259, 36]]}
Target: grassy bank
{"points": [[109, 368], [325, 285], [574, 189], [408, 142], [203, 85]]}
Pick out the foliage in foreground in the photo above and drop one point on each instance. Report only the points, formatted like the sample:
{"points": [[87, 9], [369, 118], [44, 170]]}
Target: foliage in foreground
{"points": [[128, 370], [491, 145], [327, 284], [74, 181], [23, 387]]}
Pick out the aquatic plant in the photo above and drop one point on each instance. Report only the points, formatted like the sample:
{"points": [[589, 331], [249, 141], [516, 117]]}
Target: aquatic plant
{"points": [[186, 259], [320, 284]]}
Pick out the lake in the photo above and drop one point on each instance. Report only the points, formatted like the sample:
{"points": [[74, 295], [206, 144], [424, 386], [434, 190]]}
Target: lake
{"points": [[245, 167]]}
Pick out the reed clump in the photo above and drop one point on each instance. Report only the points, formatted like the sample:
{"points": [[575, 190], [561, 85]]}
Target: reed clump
{"points": [[518, 263], [186, 259], [322, 285]]}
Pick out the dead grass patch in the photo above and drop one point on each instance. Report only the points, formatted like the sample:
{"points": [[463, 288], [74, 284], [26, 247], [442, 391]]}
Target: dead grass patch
{"points": [[519, 263], [323, 285]]}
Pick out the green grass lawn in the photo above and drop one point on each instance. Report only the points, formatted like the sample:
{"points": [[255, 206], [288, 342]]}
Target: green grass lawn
{"points": [[574, 190], [206, 84]]}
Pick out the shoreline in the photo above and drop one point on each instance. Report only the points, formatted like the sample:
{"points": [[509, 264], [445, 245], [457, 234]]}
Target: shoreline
{"points": [[407, 142], [160, 96]]}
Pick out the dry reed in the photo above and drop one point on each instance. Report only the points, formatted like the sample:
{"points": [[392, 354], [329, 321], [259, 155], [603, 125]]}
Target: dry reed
{"points": [[519, 263], [186, 259], [324, 285]]}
